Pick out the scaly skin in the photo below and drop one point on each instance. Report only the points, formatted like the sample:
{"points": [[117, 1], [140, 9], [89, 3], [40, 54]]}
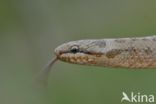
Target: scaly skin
{"points": [[121, 52]]}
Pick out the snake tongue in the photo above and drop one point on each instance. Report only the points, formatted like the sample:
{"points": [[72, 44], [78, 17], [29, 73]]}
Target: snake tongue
{"points": [[44, 73]]}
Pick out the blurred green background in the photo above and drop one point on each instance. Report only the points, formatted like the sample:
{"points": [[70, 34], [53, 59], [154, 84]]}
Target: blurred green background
{"points": [[30, 30]]}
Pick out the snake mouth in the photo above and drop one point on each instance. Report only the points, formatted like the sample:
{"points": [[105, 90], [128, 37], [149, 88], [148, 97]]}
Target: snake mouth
{"points": [[78, 58]]}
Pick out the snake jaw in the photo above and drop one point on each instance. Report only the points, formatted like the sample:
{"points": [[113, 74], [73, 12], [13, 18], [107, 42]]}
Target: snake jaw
{"points": [[78, 58]]}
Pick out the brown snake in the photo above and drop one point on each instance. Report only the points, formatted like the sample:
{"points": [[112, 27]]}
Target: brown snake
{"points": [[138, 52]]}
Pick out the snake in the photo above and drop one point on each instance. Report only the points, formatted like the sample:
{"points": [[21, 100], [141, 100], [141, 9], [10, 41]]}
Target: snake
{"points": [[130, 52]]}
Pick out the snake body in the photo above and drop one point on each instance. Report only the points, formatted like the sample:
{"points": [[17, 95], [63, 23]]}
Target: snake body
{"points": [[138, 52]]}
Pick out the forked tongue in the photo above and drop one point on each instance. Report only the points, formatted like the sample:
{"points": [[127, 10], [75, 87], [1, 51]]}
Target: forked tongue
{"points": [[42, 78]]}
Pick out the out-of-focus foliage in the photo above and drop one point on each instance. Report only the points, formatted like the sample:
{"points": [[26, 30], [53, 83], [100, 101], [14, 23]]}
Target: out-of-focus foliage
{"points": [[31, 29]]}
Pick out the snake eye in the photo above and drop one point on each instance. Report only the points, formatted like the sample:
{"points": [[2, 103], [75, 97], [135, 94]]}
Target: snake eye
{"points": [[74, 49]]}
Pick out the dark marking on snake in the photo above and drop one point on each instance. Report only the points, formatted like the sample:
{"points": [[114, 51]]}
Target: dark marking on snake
{"points": [[112, 53], [134, 39], [148, 50], [130, 49]]}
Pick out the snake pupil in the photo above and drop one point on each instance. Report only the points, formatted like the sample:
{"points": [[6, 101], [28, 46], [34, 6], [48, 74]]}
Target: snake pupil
{"points": [[74, 49]]}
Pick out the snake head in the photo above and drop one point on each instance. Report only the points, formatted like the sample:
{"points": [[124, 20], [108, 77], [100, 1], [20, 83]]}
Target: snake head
{"points": [[80, 52]]}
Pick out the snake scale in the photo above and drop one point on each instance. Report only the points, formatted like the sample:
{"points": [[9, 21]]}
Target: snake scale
{"points": [[135, 52]]}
